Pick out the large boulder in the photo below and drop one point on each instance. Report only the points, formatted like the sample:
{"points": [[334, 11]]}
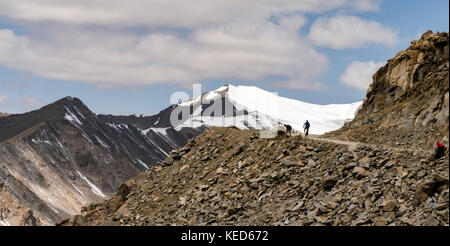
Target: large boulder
{"points": [[427, 188]]}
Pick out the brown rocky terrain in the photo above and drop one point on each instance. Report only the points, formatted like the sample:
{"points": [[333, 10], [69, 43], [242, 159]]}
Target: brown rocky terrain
{"points": [[407, 103], [376, 170], [12, 211], [232, 177]]}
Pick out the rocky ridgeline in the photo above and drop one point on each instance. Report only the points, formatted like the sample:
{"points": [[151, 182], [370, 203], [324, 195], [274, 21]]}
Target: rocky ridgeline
{"points": [[231, 177], [56, 159], [408, 98]]}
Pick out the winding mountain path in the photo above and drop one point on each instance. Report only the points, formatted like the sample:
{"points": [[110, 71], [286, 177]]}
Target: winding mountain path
{"points": [[354, 145], [351, 145]]}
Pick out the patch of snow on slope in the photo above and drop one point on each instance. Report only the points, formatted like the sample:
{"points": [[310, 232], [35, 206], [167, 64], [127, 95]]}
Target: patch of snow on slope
{"points": [[70, 116], [117, 127], [37, 141], [154, 144], [144, 133], [148, 140], [78, 111], [162, 132], [62, 149], [253, 121], [142, 163], [101, 142], [76, 188], [94, 188]]}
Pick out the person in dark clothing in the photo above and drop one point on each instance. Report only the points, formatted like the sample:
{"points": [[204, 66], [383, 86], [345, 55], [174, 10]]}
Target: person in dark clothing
{"points": [[288, 130], [440, 151], [30, 220], [306, 127]]}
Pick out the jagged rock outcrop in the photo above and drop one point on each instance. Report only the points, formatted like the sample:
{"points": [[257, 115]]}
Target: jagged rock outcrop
{"points": [[228, 176], [412, 88], [408, 99]]}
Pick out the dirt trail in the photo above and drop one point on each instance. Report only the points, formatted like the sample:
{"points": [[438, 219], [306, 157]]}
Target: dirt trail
{"points": [[353, 145]]}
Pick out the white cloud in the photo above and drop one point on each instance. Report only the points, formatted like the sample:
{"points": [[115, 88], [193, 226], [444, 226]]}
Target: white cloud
{"points": [[116, 43], [174, 13], [342, 32], [359, 74], [236, 51]]}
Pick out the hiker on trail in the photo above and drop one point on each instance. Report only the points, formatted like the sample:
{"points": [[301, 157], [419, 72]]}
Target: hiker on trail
{"points": [[440, 151], [288, 130], [306, 128]]}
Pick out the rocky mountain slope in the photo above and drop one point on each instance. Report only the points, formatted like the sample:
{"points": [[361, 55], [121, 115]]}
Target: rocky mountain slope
{"points": [[407, 103], [376, 170], [228, 176], [158, 128], [56, 159]]}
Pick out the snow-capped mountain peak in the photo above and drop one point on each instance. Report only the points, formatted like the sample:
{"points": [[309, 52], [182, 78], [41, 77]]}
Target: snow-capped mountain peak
{"points": [[252, 107]]}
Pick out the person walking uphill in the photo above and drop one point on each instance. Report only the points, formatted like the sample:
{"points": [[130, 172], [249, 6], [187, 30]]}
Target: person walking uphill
{"points": [[306, 127]]}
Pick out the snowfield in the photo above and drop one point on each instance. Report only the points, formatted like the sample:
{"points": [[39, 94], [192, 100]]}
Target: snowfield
{"points": [[266, 109]]}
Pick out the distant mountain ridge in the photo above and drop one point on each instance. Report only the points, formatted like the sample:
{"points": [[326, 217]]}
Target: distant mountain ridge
{"points": [[62, 156]]}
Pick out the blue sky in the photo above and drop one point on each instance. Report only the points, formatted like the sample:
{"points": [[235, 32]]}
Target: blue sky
{"points": [[40, 60]]}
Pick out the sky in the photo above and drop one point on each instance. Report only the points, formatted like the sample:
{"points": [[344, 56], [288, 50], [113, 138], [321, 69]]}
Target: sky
{"points": [[128, 57]]}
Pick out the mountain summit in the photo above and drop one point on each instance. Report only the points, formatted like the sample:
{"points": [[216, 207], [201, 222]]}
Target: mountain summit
{"points": [[58, 158]]}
